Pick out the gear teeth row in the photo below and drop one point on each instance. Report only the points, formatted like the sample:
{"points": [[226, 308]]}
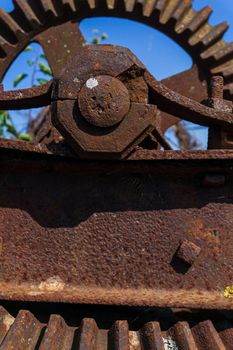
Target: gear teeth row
{"points": [[69, 5], [48, 8], [25, 332], [190, 27], [26, 10], [10, 23]]}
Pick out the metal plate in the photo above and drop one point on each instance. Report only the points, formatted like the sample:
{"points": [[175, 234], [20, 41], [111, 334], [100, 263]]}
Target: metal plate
{"points": [[105, 232]]}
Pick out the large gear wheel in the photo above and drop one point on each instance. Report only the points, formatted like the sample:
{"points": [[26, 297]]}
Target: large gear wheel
{"points": [[31, 19]]}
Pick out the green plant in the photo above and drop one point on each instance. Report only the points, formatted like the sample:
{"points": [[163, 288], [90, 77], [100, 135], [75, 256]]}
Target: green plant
{"points": [[8, 128]]}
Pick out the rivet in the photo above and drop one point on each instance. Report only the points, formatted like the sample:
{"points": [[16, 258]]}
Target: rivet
{"points": [[188, 252]]}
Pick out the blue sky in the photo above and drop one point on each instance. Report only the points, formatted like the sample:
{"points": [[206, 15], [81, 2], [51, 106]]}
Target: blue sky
{"points": [[160, 54]]}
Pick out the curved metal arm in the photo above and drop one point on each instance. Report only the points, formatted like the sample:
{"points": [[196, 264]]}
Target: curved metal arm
{"points": [[183, 107], [35, 97]]}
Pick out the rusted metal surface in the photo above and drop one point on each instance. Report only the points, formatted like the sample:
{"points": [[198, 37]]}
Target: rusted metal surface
{"points": [[112, 235], [27, 98], [93, 103], [170, 101], [60, 43], [26, 332], [103, 232], [153, 228], [53, 26], [219, 137]]}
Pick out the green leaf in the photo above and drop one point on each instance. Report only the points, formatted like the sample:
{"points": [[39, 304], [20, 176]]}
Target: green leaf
{"points": [[30, 63], [104, 36], [28, 48], [11, 129], [25, 137], [43, 56], [4, 116], [42, 81], [45, 69], [95, 41], [19, 78]]}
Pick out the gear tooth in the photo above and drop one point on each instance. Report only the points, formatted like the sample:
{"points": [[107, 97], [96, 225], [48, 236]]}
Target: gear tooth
{"points": [[25, 9], [148, 7], [111, 4], [185, 20], [181, 9], [48, 8], [215, 34], [226, 69], [212, 50], [129, 5], [69, 5], [219, 52], [224, 52], [168, 11], [5, 46], [200, 18], [10, 23], [161, 4], [92, 4], [228, 73], [198, 36]]}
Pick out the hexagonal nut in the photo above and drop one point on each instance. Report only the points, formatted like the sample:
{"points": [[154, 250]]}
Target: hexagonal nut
{"points": [[93, 106], [188, 252], [92, 142], [95, 60]]}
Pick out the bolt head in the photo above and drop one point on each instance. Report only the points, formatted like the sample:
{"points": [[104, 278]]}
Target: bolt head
{"points": [[104, 101], [188, 252]]}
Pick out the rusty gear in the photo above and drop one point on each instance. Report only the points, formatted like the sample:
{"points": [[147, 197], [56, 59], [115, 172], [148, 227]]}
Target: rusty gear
{"points": [[26, 332], [31, 20], [153, 229]]}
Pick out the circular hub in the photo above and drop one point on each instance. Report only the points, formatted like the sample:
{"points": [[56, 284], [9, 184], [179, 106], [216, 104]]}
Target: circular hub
{"points": [[104, 101]]}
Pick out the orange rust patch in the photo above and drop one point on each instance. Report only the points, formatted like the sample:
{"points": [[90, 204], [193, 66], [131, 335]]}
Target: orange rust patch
{"points": [[210, 235]]}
